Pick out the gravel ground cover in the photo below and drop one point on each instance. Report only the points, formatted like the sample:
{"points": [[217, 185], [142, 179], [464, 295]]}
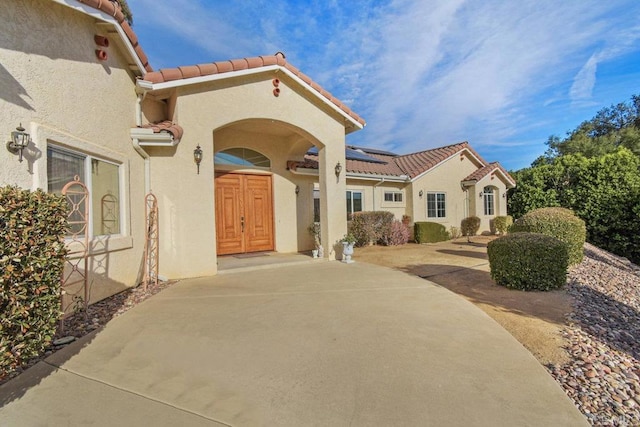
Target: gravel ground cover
{"points": [[603, 339]]}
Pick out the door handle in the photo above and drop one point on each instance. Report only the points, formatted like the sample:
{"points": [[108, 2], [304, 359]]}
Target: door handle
{"points": [[242, 224]]}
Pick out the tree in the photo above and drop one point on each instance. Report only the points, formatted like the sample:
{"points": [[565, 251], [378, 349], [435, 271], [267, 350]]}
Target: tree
{"points": [[126, 11], [604, 191], [612, 127]]}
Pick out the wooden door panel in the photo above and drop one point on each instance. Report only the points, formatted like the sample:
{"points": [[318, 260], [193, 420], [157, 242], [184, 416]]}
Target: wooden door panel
{"points": [[259, 210], [247, 197], [229, 207]]}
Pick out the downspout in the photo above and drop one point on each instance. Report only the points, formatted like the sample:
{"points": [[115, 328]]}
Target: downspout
{"points": [[139, 149]]}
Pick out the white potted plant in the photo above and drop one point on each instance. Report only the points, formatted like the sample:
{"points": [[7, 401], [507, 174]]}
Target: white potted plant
{"points": [[347, 247], [314, 230]]}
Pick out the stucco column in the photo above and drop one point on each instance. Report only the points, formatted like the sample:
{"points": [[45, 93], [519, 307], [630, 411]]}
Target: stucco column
{"points": [[333, 211]]}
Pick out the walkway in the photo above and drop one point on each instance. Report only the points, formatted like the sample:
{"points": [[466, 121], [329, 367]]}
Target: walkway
{"points": [[315, 344]]}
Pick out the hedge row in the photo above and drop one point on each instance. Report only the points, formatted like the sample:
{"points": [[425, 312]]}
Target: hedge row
{"points": [[32, 256]]}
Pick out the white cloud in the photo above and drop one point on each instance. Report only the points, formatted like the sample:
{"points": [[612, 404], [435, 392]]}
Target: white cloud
{"points": [[423, 73]]}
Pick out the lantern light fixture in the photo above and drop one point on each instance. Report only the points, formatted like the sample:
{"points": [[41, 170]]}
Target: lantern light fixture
{"points": [[19, 141], [197, 157], [338, 169]]}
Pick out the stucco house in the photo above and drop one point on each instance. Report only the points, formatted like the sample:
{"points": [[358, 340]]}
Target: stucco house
{"points": [[271, 140], [443, 185]]}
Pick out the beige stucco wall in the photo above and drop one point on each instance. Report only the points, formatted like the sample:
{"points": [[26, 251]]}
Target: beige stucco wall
{"points": [[444, 178], [187, 234], [373, 195], [52, 83], [499, 189]]}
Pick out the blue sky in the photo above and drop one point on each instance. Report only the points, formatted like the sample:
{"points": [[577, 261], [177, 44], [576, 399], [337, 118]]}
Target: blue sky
{"points": [[503, 75]]}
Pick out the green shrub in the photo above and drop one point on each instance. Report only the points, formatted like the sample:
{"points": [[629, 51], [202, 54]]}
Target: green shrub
{"points": [[32, 251], [560, 223], [370, 227], [430, 232], [470, 226], [502, 223], [528, 261]]}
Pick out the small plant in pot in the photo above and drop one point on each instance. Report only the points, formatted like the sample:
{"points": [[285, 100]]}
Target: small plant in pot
{"points": [[314, 230], [347, 247]]}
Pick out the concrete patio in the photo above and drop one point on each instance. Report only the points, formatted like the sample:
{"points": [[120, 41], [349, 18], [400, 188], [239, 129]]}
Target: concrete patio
{"points": [[314, 344]]}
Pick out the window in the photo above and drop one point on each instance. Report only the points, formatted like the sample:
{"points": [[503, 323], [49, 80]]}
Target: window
{"points": [[393, 196], [241, 157], [436, 205], [354, 202], [316, 205], [489, 204], [101, 177]]}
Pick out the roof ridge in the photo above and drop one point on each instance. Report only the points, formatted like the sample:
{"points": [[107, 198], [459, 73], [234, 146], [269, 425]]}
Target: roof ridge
{"points": [[464, 143], [219, 67]]}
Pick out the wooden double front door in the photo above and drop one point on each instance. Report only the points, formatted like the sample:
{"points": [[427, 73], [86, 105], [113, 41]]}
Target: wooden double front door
{"points": [[244, 213]]}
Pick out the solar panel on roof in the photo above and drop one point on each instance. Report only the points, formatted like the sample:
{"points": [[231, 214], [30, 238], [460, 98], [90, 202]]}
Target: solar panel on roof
{"points": [[351, 154]]}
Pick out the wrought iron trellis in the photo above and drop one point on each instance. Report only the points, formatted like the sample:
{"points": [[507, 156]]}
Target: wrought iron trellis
{"points": [[151, 248], [75, 276]]}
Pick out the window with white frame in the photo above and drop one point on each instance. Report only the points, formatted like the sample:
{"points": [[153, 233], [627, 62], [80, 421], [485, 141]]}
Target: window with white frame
{"points": [[436, 205], [393, 196], [354, 202], [101, 177], [489, 201]]}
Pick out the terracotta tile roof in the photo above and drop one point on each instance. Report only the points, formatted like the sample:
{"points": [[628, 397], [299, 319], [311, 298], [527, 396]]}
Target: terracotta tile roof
{"points": [[415, 164], [166, 126], [490, 168], [411, 165], [220, 67], [389, 168], [112, 8]]}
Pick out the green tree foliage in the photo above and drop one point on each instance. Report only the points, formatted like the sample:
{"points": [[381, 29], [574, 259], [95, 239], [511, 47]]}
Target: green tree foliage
{"points": [[611, 128], [126, 11], [604, 191]]}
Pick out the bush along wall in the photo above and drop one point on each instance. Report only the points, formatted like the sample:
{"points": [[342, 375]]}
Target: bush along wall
{"points": [[430, 232], [560, 223], [502, 223], [32, 257], [528, 261], [370, 227], [470, 226]]}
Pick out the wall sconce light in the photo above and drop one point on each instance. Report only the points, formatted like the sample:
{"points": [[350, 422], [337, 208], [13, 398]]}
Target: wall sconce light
{"points": [[481, 194], [420, 193], [338, 169], [197, 157], [19, 141], [504, 195], [297, 190]]}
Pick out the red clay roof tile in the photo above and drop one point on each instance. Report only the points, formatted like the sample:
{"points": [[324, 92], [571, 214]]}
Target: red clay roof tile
{"points": [[208, 69], [189, 71], [172, 74], [166, 126], [411, 165], [112, 8]]}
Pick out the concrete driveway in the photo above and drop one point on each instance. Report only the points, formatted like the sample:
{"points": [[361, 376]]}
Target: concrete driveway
{"points": [[320, 344]]}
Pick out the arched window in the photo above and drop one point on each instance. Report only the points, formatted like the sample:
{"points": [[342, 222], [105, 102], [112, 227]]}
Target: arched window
{"points": [[489, 202], [241, 157]]}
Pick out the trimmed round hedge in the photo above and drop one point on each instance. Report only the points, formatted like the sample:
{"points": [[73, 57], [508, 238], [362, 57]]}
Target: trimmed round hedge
{"points": [[560, 223], [528, 261]]}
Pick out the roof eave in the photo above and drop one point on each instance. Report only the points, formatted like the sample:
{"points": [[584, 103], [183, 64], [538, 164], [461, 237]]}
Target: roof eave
{"points": [[150, 86], [108, 19]]}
